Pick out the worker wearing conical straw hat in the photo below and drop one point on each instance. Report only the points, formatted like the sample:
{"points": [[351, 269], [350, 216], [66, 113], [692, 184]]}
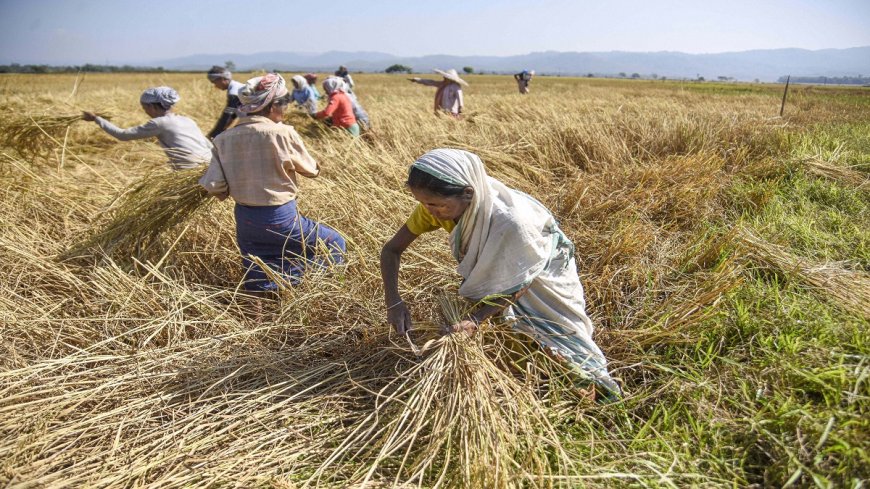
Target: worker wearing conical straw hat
{"points": [[257, 163], [448, 96], [508, 246], [222, 79], [180, 137]]}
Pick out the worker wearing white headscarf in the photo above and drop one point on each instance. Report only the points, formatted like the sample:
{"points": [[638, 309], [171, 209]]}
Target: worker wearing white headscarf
{"points": [[219, 73], [166, 97], [339, 108], [511, 252], [179, 136], [304, 95]]}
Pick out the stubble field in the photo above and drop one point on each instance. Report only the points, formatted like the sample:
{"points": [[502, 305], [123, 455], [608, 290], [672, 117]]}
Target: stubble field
{"points": [[724, 251]]}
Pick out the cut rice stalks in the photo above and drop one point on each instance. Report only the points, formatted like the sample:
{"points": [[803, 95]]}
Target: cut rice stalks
{"points": [[30, 134], [148, 209], [849, 289]]}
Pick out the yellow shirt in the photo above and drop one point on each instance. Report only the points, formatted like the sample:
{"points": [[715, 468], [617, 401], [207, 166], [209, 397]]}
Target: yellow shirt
{"points": [[421, 221]]}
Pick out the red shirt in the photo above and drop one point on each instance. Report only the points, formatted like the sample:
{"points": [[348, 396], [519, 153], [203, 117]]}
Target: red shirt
{"points": [[341, 110]]}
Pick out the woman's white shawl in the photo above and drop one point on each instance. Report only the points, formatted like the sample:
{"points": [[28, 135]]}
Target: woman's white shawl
{"points": [[505, 237], [506, 240]]}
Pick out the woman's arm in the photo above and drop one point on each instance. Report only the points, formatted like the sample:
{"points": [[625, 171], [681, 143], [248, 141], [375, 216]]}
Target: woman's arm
{"points": [[470, 324], [398, 313], [294, 155], [214, 181], [330, 108], [146, 130], [427, 82], [227, 116]]}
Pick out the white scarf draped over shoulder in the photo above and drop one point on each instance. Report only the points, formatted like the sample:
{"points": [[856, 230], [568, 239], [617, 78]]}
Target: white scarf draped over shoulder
{"points": [[504, 239]]}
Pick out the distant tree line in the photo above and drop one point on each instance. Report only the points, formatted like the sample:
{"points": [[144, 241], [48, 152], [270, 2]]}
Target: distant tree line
{"points": [[397, 68], [18, 68], [837, 80]]}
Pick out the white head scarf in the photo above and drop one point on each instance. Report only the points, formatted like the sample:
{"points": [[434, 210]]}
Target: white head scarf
{"points": [[300, 82], [505, 237], [333, 84], [218, 75], [165, 96], [261, 91]]}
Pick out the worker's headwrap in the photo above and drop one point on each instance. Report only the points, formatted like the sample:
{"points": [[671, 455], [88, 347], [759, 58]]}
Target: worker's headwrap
{"points": [[334, 83], [311, 78], [501, 225], [165, 96], [299, 82], [261, 91], [214, 74]]}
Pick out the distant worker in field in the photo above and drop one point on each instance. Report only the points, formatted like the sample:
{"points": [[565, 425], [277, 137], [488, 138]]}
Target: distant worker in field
{"points": [[511, 253], [362, 117], [304, 95], [311, 78], [342, 73], [448, 96], [257, 163], [180, 137], [339, 109], [222, 79], [523, 79]]}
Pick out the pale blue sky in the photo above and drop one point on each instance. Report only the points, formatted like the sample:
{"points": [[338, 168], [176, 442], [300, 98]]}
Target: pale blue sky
{"points": [[100, 31]]}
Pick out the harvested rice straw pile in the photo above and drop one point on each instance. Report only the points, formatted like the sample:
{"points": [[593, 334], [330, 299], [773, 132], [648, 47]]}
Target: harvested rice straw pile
{"points": [[837, 173], [848, 288], [457, 418], [149, 208], [231, 406]]}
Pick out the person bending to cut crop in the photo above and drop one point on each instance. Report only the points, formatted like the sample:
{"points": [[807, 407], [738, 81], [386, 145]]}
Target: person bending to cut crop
{"points": [[508, 245]]}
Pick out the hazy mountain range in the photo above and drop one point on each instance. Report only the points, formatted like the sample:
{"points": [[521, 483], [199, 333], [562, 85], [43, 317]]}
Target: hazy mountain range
{"points": [[763, 64]]}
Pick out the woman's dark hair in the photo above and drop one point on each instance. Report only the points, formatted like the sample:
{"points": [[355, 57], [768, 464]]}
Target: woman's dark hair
{"points": [[418, 179]]}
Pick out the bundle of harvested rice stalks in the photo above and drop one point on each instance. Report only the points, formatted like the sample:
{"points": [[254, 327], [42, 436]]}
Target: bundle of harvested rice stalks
{"points": [[36, 135], [458, 418], [848, 288], [145, 211], [843, 174]]}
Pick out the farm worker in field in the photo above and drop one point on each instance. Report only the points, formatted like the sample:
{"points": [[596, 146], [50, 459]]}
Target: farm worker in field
{"points": [[448, 96], [222, 79], [362, 117], [179, 136], [511, 252], [257, 163], [339, 109], [311, 78], [342, 73], [523, 79], [304, 95]]}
